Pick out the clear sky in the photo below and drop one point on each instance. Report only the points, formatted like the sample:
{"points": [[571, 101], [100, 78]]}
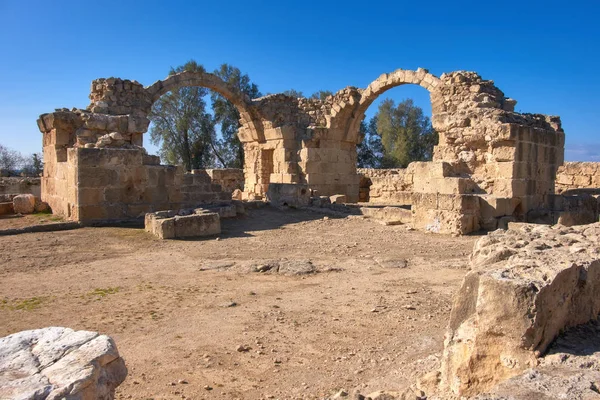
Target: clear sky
{"points": [[544, 54]]}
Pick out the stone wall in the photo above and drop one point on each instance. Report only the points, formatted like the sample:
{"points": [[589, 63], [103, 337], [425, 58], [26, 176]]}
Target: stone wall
{"points": [[18, 185], [126, 183], [578, 175], [390, 186], [230, 179]]}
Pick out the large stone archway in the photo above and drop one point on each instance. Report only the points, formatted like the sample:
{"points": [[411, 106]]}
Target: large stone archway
{"points": [[251, 130], [379, 86]]}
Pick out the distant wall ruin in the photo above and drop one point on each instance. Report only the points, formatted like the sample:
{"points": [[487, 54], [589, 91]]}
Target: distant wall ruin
{"points": [[578, 175], [389, 186], [490, 162], [20, 185]]}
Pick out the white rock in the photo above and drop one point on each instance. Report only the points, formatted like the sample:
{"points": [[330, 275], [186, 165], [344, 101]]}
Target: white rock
{"points": [[55, 363]]}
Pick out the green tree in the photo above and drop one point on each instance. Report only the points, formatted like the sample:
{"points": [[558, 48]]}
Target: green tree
{"points": [[183, 128], [321, 95], [33, 166], [406, 134], [369, 150], [10, 160], [227, 115], [293, 93]]}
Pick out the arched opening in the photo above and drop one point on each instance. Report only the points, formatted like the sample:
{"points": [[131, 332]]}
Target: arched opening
{"points": [[227, 155], [251, 129], [392, 128]]}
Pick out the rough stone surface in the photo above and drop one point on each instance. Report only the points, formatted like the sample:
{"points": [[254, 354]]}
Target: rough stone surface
{"points": [[338, 199], [578, 175], [570, 370], [390, 186], [285, 267], [288, 195], [59, 363], [525, 287], [24, 204], [183, 223]]}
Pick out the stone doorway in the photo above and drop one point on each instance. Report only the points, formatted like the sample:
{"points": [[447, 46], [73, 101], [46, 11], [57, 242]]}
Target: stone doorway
{"points": [[266, 168]]}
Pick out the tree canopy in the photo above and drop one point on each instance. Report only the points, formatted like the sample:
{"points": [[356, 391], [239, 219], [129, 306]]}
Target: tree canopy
{"points": [[181, 125], [13, 163], [321, 95], [228, 116], [293, 93], [185, 126], [396, 136]]}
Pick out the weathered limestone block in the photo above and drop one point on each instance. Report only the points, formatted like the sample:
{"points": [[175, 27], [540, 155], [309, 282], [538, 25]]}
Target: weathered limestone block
{"points": [[388, 215], [338, 199], [290, 195], [59, 363], [578, 175], [570, 370], [24, 204], [225, 210], [525, 287], [205, 224], [186, 223]]}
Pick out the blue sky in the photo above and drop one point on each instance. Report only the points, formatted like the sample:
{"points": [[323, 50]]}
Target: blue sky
{"points": [[544, 54]]}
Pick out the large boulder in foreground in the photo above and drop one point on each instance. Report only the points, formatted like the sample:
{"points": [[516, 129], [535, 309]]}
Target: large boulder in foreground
{"points": [[526, 285], [24, 204], [56, 363]]}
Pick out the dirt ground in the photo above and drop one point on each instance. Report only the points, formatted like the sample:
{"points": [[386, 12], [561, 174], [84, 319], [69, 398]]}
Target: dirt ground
{"points": [[13, 221], [370, 318]]}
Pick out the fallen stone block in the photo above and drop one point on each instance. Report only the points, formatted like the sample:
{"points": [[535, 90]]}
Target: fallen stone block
{"points": [[169, 225], [207, 224], [525, 287], [288, 195], [338, 199], [388, 215], [6, 208], [24, 204], [59, 363], [224, 211], [320, 201]]}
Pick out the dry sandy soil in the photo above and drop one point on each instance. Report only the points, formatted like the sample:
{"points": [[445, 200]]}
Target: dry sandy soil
{"points": [[369, 319]]}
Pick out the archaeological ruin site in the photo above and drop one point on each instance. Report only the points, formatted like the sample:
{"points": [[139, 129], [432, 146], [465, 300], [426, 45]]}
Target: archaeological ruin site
{"points": [[472, 276]]}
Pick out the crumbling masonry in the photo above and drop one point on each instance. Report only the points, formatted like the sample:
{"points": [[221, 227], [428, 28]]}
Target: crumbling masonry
{"points": [[491, 162]]}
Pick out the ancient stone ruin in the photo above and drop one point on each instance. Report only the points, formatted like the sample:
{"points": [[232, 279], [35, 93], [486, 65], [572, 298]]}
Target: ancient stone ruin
{"points": [[491, 166]]}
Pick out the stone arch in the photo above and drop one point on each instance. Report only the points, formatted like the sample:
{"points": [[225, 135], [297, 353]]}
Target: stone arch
{"points": [[380, 85], [251, 129]]}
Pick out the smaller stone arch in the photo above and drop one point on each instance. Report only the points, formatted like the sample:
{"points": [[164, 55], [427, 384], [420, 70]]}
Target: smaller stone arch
{"points": [[251, 129], [385, 82]]}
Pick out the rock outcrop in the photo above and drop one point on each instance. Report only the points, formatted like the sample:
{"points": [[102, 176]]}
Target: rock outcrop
{"points": [[525, 287], [59, 363], [570, 370]]}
